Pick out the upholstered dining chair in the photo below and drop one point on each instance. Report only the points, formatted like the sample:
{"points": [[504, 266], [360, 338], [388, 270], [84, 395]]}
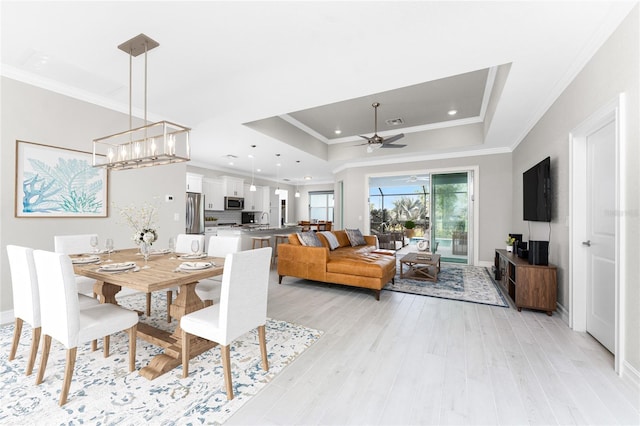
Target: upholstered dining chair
{"points": [[76, 244], [63, 320], [183, 245], [26, 299], [242, 307], [218, 246]]}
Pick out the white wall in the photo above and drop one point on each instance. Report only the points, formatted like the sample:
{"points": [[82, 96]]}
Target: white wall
{"points": [[36, 115], [613, 70]]}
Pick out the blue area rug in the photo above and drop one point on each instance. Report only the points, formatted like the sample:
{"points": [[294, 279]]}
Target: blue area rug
{"points": [[104, 392], [457, 282]]}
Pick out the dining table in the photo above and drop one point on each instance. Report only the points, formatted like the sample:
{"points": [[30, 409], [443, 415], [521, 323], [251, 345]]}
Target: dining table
{"points": [[162, 271]]}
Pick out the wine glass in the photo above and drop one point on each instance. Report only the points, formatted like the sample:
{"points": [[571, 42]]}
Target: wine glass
{"points": [[94, 243], [145, 249], [109, 246], [195, 247], [172, 245]]}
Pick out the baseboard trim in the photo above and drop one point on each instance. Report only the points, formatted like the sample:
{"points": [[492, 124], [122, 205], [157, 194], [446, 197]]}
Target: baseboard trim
{"points": [[631, 375], [564, 313], [7, 317]]}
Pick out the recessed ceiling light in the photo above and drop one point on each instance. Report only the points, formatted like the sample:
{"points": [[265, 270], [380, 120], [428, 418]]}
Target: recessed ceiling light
{"points": [[337, 131], [230, 163], [258, 170], [307, 178], [452, 112]]}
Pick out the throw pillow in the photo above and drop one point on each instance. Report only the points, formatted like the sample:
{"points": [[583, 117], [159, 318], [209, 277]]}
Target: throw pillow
{"points": [[355, 237], [331, 239], [309, 238]]}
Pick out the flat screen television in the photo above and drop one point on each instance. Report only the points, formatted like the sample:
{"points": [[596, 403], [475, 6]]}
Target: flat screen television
{"points": [[536, 192]]}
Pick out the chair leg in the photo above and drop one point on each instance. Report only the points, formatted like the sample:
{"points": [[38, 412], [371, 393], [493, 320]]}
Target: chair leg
{"points": [[68, 374], [34, 349], [226, 366], [148, 305], [208, 303], [17, 331], [169, 301], [133, 334], [262, 335], [107, 340], [46, 345], [185, 354], [94, 345]]}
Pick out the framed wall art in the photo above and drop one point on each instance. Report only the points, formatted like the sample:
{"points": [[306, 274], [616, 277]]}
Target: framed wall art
{"points": [[58, 182]]}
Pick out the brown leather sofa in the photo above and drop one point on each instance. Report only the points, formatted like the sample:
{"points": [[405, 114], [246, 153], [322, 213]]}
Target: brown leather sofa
{"points": [[359, 266]]}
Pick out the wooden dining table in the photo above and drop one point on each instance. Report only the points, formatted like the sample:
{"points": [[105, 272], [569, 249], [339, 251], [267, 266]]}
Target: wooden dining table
{"points": [[163, 273]]}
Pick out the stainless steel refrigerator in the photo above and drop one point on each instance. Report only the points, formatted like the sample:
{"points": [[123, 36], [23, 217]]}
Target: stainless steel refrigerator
{"points": [[195, 213]]}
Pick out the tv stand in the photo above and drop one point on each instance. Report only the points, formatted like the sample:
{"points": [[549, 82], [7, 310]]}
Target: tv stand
{"points": [[529, 286]]}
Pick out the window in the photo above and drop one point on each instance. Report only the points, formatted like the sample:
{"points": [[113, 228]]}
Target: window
{"points": [[321, 205]]}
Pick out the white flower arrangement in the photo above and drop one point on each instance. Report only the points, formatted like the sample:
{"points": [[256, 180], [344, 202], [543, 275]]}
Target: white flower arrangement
{"points": [[142, 219]]}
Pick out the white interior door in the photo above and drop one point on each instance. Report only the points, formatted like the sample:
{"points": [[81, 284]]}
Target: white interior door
{"points": [[601, 235]]}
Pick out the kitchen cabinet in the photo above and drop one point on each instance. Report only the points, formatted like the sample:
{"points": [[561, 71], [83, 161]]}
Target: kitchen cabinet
{"points": [[213, 190], [234, 187], [194, 183], [253, 201]]}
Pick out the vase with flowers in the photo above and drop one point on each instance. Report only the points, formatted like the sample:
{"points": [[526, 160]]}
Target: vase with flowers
{"points": [[510, 241], [142, 219]]}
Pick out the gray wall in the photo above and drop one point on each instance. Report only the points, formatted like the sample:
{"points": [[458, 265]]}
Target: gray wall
{"points": [[493, 198], [36, 115], [613, 70]]}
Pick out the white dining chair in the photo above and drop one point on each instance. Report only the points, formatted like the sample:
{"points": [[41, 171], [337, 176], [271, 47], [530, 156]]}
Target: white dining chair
{"points": [[242, 307], [183, 242], [26, 299], [183, 246], [77, 244], [218, 246], [63, 320]]}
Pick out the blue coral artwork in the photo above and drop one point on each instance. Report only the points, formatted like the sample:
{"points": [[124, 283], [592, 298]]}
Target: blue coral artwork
{"points": [[58, 182]]}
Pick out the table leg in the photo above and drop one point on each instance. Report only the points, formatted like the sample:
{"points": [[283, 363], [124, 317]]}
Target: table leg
{"points": [[186, 302], [106, 292]]}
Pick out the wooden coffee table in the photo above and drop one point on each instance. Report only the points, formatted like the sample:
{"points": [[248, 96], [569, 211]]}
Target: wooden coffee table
{"points": [[420, 266]]}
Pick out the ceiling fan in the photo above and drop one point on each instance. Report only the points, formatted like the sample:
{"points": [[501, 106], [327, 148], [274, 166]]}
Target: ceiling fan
{"points": [[376, 141]]}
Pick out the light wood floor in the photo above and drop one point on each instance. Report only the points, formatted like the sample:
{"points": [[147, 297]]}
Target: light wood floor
{"points": [[420, 360]]}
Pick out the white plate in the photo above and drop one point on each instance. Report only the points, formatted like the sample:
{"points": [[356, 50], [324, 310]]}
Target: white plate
{"points": [[84, 259], [162, 251], [114, 267], [194, 256], [194, 266]]}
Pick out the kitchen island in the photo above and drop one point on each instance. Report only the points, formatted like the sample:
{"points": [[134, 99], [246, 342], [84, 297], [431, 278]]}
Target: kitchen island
{"points": [[246, 232]]}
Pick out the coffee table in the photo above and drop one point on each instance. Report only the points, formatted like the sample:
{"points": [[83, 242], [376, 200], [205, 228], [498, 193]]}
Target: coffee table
{"points": [[420, 266]]}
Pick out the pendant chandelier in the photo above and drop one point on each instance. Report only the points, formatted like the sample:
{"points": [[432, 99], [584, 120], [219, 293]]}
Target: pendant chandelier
{"points": [[150, 145]]}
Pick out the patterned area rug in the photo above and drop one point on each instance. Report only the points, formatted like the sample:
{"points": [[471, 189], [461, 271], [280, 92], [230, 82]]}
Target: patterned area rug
{"points": [[104, 392], [458, 282]]}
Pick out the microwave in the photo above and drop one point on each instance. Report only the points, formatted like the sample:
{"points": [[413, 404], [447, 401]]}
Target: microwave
{"points": [[233, 203]]}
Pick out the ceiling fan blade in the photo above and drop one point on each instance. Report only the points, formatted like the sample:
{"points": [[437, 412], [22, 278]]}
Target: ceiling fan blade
{"points": [[366, 137], [392, 146], [392, 139]]}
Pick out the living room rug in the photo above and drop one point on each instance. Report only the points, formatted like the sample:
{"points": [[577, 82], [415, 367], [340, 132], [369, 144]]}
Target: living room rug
{"points": [[104, 392], [457, 282]]}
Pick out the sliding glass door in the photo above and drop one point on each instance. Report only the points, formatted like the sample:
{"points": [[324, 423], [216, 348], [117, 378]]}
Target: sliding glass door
{"points": [[451, 207]]}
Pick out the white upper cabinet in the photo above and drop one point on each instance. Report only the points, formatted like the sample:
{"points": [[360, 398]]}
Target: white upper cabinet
{"points": [[253, 200], [234, 187], [194, 182], [213, 190]]}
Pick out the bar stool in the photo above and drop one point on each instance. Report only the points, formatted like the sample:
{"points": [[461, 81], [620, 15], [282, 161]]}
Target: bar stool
{"points": [[279, 239], [259, 242]]}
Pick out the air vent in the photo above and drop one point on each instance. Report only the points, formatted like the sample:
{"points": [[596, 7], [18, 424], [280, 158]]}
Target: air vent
{"points": [[394, 121]]}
